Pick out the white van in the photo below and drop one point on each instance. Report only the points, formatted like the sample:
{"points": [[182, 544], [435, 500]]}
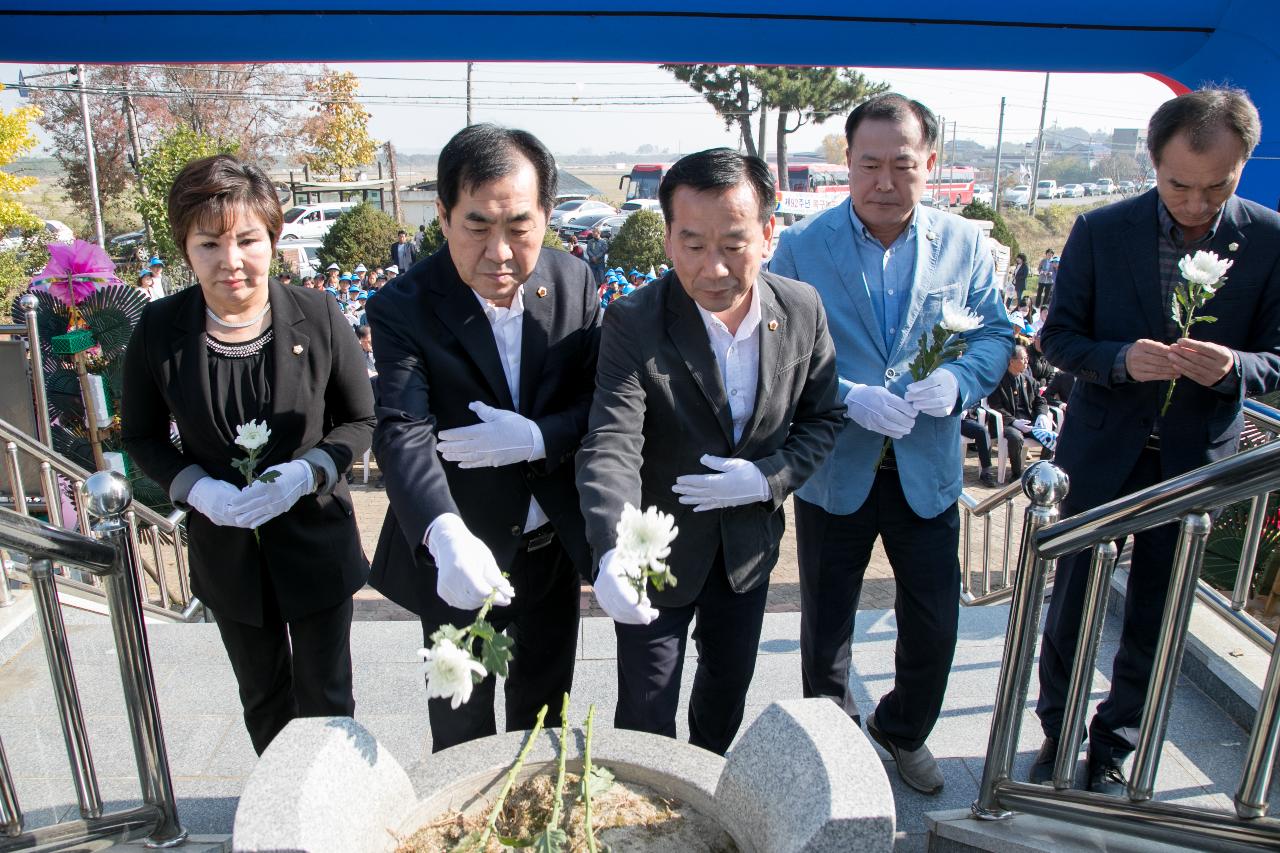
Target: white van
{"points": [[312, 221]]}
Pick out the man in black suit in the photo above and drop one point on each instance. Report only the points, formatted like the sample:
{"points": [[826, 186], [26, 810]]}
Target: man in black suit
{"points": [[403, 254], [715, 399], [486, 354], [1111, 324], [1021, 406]]}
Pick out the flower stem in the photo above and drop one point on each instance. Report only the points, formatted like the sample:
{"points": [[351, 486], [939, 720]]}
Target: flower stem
{"points": [[586, 784], [1168, 397], [884, 451], [557, 802], [510, 781]]}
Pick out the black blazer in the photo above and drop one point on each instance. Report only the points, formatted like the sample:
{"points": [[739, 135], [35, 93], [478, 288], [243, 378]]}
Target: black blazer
{"points": [[1108, 294], [436, 354], [1017, 397], [321, 400], [660, 404], [413, 255]]}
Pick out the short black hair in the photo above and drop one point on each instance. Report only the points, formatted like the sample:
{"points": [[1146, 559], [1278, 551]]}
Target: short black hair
{"points": [[363, 331], [482, 153], [1201, 115], [719, 169], [893, 107]]}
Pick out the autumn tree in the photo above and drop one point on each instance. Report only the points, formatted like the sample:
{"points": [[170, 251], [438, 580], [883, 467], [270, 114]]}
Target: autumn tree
{"points": [[160, 166], [805, 94], [338, 132], [835, 148], [16, 139]]}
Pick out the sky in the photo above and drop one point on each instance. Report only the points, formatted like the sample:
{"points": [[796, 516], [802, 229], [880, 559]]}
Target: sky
{"points": [[600, 108]]}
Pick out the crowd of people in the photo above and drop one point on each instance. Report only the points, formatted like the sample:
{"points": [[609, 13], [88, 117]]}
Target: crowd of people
{"points": [[516, 420]]}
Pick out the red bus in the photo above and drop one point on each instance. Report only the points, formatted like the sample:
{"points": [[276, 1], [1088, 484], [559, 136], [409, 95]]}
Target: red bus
{"points": [[818, 178], [643, 180], [956, 186]]}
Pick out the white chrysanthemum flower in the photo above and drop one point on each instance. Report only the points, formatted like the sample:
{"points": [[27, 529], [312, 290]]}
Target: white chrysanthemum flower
{"points": [[449, 671], [645, 537], [252, 435], [957, 318], [1204, 268]]}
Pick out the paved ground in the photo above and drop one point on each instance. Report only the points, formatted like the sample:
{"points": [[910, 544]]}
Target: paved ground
{"points": [[211, 756], [784, 584]]}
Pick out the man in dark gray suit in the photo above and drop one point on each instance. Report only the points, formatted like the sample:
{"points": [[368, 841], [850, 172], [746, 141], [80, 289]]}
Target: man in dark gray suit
{"points": [[715, 399]]}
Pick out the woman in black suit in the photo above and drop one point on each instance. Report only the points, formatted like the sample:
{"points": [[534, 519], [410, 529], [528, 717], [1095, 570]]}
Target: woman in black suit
{"points": [[236, 349]]}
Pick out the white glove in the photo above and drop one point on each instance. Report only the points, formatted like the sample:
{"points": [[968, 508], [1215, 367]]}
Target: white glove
{"points": [[936, 394], [739, 482], [465, 569], [1022, 425], [215, 500], [504, 438], [259, 502], [618, 597], [1044, 422], [876, 408]]}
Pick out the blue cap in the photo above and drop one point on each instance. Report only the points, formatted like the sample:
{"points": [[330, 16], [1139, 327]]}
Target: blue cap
{"points": [[155, 261], [145, 271], [332, 291], [650, 278]]}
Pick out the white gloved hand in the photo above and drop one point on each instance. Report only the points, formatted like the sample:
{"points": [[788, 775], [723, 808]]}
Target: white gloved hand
{"points": [[1044, 422], [936, 394], [465, 569], [618, 597], [1022, 425], [876, 408], [260, 501], [215, 500], [505, 438], [739, 482]]}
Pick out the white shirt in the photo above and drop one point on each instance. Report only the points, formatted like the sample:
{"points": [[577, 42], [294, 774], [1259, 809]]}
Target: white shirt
{"points": [[508, 334], [154, 292], [738, 356]]}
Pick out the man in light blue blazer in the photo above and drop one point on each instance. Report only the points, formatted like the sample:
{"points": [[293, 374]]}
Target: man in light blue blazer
{"points": [[885, 266]]}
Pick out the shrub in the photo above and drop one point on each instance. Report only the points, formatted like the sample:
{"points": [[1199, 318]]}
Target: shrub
{"points": [[433, 237], [361, 235], [639, 242], [551, 240], [999, 230]]}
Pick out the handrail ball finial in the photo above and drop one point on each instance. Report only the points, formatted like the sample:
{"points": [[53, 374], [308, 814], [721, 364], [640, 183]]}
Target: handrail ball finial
{"points": [[109, 494], [1045, 484], [29, 302]]}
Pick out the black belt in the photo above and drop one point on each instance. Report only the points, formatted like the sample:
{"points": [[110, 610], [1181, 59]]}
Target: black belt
{"points": [[536, 540]]}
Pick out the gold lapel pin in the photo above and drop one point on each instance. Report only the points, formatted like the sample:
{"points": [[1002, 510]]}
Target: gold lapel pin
{"points": [[773, 325], [542, 291], [297, 349]]}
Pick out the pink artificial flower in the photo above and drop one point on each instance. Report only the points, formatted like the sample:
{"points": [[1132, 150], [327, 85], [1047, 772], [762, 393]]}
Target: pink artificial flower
{"points": [[75, 271]]}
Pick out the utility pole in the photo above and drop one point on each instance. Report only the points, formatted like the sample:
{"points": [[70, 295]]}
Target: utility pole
{"points": [[395, 182], [995, 181], [90, 159], [942, 154], [135, 143], [1035, 174], [469, 64]]}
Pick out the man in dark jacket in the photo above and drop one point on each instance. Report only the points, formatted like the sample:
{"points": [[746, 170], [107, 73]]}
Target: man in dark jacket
{"points": [[1019, 402]]}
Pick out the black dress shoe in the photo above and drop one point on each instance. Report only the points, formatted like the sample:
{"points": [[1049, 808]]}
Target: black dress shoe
{"points": [[1105, 775], [1042, 769]]}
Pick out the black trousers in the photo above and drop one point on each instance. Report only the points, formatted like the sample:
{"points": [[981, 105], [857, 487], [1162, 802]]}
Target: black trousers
{"points": [[975, 431], [542, 619], [300, 668], [833, 553], [651, 661], [1115, 725]]}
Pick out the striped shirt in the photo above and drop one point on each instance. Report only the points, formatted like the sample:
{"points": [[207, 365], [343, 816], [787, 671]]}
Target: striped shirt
{"points": [[1172, 249]]}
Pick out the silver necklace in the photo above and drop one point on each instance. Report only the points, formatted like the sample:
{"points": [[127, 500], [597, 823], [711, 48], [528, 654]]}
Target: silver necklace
{"points": [[221, 322]]}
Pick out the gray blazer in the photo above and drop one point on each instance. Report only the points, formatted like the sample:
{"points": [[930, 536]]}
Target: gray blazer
{"points": [[660, 404]]}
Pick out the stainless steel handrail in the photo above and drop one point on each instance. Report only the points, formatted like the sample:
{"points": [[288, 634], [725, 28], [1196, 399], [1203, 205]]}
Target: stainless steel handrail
{"points": [[108, 556], [1187, 500], [971, 508]]}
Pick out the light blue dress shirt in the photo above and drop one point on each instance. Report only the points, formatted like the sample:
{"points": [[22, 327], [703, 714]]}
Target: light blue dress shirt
{"points": [[887, 273]]}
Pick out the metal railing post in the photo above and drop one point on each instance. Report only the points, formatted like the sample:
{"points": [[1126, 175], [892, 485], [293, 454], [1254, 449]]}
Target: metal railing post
{"points": [[70, 711], [1101, 568], [19, 505], [30, 306], [10, 813], [1249, 552], [109, 498], [1260, 756], [1172, 641], [1046, 485]]}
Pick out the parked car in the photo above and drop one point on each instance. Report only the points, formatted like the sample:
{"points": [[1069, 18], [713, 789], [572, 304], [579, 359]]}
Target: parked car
{"points": [[300, 255], [1048, 189], [1019, 196], [982, 193], [569, 212], [1126, 187], [607, 226], [583, 223], [1090, 189], [1148, 184], [635, 204], [52, 231], [122, 245], [1073, 191], [928, 200], [1106, 186], [312, 221]]}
